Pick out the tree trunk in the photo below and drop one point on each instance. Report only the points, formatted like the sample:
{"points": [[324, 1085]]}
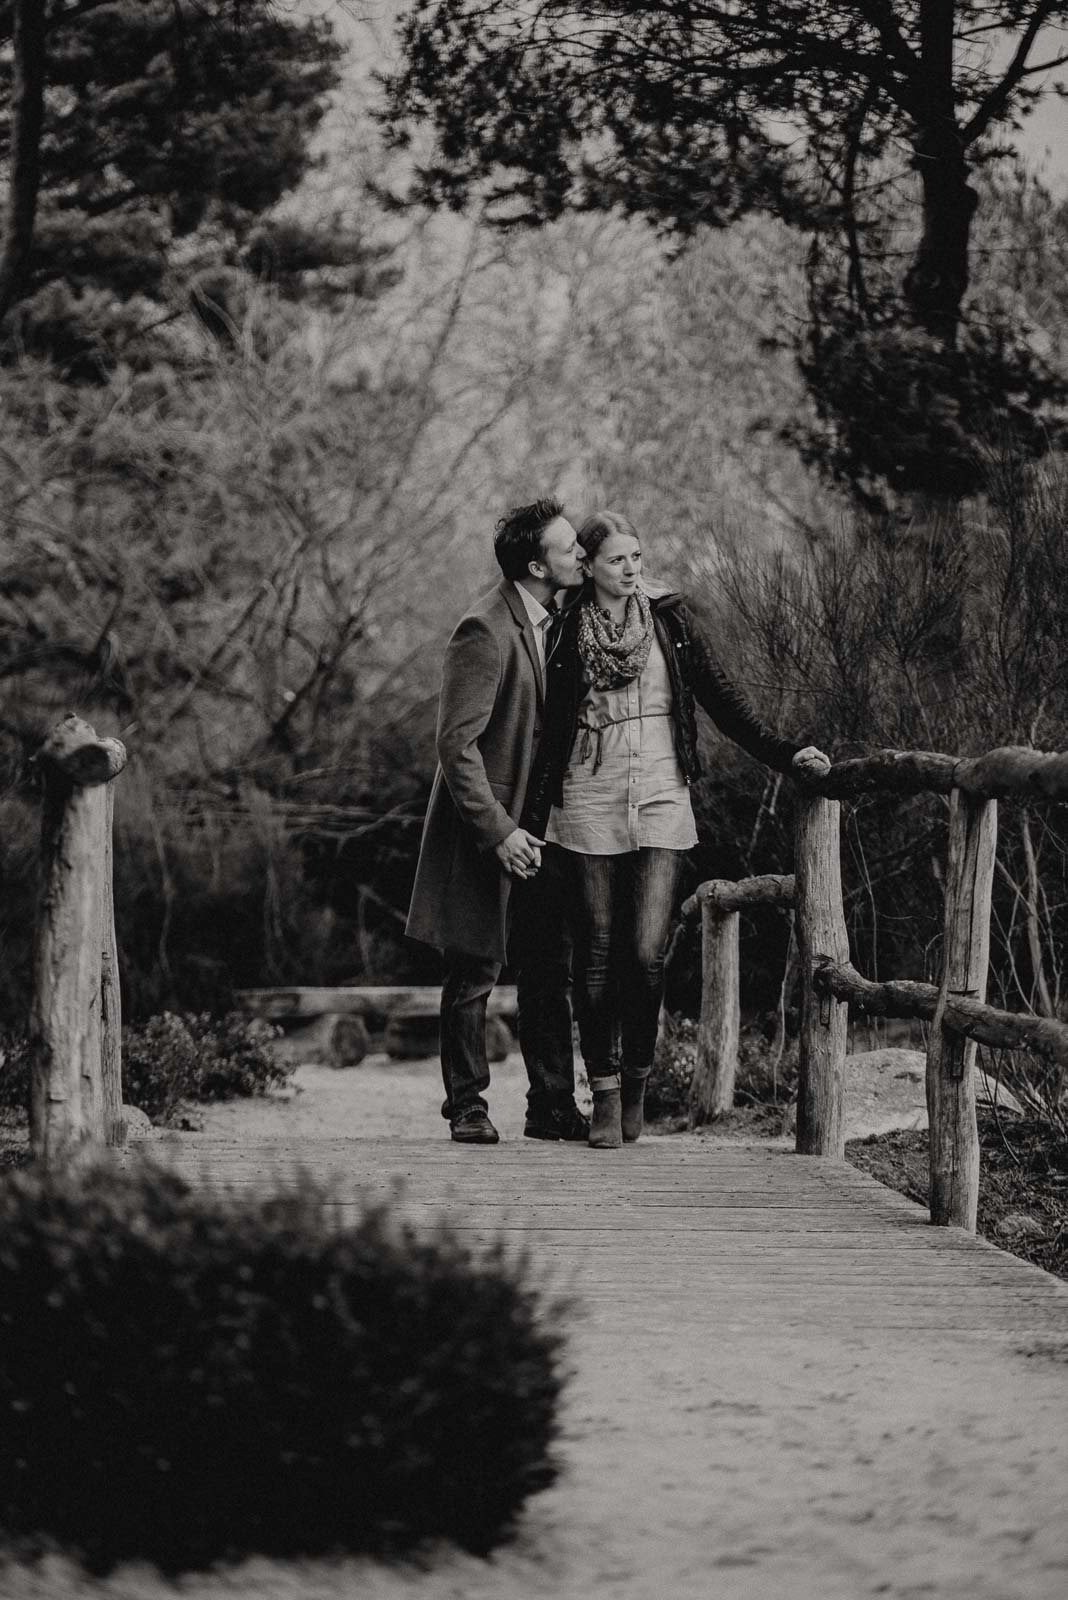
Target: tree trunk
{"points": [[24, 177], [936, 282]]}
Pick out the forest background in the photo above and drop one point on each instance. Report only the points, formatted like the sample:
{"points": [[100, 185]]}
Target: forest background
{"points": [[257, 423]]}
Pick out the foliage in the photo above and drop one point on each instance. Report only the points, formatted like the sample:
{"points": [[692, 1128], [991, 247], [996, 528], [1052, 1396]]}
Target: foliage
{"points": [[170, 1060], [897, 408], [901, 412], [170, 133], [938, 633], [225, 562], [694, 117], [667, 1092], [237, 562], [762, 1078], [14, 1071], [252, 1378], [1040, 1086]]}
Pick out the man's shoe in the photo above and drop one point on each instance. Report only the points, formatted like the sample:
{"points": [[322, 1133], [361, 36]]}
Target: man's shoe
{"points": [[558, 1122], [473, 1126]]}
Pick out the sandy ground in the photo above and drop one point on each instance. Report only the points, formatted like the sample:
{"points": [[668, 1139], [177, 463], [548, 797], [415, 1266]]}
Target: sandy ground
{"points": [[752, 1448]]}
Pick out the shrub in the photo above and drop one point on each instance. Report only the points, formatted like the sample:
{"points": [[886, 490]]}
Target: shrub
{"points": [[760, 1081], [14, 1071], [188, 1377], [194, 1057], [170, 1060], [667, 1093]]}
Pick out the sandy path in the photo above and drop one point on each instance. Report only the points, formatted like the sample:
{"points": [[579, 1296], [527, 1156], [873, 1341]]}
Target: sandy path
{"points": [[762, 1408]]}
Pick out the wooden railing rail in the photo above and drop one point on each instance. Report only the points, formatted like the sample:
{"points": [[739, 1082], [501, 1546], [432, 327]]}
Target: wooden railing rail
{"points": [[75, 1017], [972, 1019], [1008, 770], [955, 1007]]}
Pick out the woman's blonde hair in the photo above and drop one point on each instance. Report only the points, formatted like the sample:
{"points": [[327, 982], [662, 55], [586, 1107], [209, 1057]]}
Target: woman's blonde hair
{"points": [[601, 526]]}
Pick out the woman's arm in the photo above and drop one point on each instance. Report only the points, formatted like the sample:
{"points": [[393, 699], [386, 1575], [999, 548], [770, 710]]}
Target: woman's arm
{"points": [[733, 714]]}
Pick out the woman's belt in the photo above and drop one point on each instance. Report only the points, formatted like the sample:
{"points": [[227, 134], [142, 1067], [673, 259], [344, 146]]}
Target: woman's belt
{"points": [[593, 734]]}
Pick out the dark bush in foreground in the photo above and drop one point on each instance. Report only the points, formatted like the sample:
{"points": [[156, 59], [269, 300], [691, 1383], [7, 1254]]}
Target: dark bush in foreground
{"points": [[187, 1376]]}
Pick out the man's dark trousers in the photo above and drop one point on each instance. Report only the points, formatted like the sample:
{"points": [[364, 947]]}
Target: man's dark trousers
{"points": [[539, 954]]}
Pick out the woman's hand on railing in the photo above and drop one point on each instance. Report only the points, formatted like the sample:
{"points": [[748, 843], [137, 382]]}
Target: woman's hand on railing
{"points": [[811, 763]]}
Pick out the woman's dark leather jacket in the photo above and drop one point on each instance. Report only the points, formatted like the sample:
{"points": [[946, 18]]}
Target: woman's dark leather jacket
{"points": [[696, 679]]}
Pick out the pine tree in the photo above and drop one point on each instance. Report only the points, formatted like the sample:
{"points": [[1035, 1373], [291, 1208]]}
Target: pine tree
{"points": [[693, 114], [169, 130]]}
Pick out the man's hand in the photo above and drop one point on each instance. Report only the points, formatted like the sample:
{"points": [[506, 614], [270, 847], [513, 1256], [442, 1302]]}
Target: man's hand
{"points": [[812, 762], [520, 853]]}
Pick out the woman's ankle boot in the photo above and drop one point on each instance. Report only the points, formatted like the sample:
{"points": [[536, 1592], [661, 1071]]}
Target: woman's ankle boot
{"points": [[606, 1132], [632, 1100]]}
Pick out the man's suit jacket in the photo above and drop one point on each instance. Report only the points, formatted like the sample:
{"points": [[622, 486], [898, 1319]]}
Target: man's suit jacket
{"points": [[489, 720]]}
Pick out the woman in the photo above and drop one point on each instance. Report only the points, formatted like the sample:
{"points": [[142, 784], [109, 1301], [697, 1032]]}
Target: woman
{"points": [[617, 755]]}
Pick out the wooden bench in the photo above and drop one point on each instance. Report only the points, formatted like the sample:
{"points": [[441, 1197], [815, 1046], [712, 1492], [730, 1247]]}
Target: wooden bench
{"points": [[335, 1025]]}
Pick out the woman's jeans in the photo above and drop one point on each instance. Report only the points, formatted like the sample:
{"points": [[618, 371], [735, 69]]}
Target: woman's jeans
{"points": [[622, 907]]}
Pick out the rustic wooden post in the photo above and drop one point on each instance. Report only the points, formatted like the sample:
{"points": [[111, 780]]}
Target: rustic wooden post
{"points": [[67, 1099], [720, 901], [110, 994], [821, 933], [712, 1086], [953, 1136]]}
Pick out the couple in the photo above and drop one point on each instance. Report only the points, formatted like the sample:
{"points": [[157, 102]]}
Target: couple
{"points": [[560, 813]]}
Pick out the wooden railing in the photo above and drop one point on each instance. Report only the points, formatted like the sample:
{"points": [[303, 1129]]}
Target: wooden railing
{"points": [[75, 1016], [955, 1007]]}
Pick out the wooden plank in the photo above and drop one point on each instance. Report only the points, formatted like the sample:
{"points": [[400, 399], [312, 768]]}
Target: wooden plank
{"points": [[679, 1239]]}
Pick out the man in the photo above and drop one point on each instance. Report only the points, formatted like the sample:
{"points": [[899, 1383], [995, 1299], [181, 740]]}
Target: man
{"points": [[476, 856]]}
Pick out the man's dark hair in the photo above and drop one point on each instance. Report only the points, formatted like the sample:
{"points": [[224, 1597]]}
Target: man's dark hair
{"points": [[517, 539]]}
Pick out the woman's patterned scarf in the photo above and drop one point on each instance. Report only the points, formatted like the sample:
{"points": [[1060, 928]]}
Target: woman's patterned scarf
{"points": [[615, 653]]}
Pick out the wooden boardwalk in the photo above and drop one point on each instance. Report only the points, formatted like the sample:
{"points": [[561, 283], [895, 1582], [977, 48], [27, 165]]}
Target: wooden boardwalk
{"points": [[785, 1382]]}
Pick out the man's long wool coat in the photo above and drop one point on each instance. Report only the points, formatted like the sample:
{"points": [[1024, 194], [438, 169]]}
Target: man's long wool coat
{"points": [[489, 721]]}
